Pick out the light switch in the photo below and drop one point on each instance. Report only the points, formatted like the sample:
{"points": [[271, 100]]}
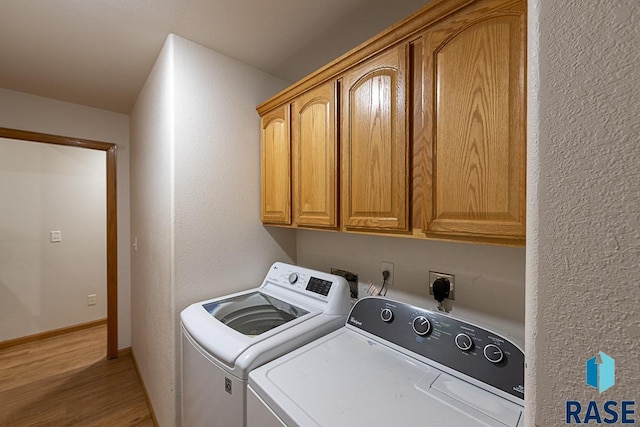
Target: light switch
{"points": [[56, 236]]}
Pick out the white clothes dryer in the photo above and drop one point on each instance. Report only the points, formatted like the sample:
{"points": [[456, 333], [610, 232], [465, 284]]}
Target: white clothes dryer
{"points": [[224, 338], [393, 364]]}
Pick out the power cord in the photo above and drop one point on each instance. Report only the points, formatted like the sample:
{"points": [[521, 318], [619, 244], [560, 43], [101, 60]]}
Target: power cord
{"points": [[385, 276]]}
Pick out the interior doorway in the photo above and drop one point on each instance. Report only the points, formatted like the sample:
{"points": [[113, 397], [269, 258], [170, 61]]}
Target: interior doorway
{"points": [[111, 218]]}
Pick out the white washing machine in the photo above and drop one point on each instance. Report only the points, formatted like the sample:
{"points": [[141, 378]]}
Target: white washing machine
{"points": [[225, 338], [393, 364]]}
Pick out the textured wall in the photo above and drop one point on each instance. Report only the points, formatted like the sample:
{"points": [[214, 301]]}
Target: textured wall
{"points": [[152, 309], [34, 113], [221, 245], [584, 197], [44, 285], [532, 246], [195, 202]]}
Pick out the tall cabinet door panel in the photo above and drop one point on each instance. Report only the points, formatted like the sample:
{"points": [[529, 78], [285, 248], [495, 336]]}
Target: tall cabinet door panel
{"points": [[375, 181], [315, 156], [276, 167], [475, 87]]}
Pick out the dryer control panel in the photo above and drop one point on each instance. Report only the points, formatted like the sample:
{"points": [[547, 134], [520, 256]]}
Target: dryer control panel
{"points": [[456, 344]]}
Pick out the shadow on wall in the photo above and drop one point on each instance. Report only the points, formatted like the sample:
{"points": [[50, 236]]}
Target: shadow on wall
{"points": [[11, 306], [285, 239]]}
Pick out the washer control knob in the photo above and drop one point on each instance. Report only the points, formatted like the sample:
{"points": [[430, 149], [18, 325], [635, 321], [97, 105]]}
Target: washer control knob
{"points": [[421, 325], [493, 353], [464, 342], [386, 315], [293, 278]]}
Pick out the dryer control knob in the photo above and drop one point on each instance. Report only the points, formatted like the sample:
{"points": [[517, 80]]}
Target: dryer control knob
{"points": [[293, 278], [421, 325], [464, 342], [493, 353], [386, 315]]}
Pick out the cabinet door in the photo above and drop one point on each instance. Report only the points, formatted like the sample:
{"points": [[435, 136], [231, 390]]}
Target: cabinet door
{"points": [[375, 179], [475, 97], [315, 154], [276, 167]]}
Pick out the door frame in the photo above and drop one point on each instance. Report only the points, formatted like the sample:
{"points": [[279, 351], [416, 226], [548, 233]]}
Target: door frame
{"points": [[112, 223]]}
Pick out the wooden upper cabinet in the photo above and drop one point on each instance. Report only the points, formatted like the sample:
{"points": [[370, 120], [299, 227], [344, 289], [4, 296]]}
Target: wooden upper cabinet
{"points": [[275, 144], [418, 132], [375, 180], [475, 128], [315, 157]]}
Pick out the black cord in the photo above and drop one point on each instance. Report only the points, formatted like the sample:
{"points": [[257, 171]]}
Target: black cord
{"points": [[385, 276], [384, 284]]}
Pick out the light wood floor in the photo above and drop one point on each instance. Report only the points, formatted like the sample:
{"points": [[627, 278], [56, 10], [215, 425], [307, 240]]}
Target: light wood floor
{"points": [[67, 381]]}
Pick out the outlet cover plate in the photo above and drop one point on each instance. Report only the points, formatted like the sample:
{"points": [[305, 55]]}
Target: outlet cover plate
{"points": [[433, 276]]}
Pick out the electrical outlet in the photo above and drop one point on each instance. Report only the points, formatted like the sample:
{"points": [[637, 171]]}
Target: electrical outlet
{"points": [[433, 276], [387, 266], [91, 299]]}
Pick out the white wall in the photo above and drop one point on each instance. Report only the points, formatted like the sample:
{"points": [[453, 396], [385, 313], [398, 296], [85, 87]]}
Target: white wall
{"points": [[33, 113], [583, 236], [44, 285], [195, 201], [153, 311]]}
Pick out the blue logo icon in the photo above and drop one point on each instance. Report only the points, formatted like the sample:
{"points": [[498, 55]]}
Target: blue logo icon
{"points": [[601, 372]]}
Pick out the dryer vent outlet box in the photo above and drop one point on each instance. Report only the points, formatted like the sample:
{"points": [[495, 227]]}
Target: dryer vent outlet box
{"points": [[351, 278]]}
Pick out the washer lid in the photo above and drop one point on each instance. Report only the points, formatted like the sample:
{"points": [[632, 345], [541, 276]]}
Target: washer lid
{"points": [[253, 314], [346, 379]]}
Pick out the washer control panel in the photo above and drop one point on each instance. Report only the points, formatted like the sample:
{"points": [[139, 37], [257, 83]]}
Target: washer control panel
{"points": [[302, 280], [461, 346], [319, 286]]}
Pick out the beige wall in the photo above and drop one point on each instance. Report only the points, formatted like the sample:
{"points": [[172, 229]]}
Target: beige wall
{"points": [[583, 238], [38, 114], [489, 279], [44, 285], [195, 202]]}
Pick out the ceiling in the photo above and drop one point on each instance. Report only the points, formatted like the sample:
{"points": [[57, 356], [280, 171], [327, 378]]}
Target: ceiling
{"points": [[99, 52]]}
